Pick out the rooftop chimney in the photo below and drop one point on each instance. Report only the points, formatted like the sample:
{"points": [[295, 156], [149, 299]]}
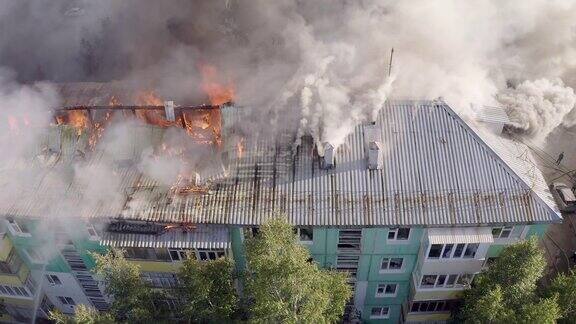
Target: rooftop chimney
{"points": [[375, 159], [169, 110], [327, 161]]}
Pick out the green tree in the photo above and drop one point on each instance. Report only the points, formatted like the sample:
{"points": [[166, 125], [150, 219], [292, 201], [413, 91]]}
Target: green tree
{"points": [[284, 287], [82, 315], [207, 289], [506, 292], [133, 300], [564, 288]]}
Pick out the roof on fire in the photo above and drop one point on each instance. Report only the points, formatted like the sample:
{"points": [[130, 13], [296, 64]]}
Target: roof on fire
{"points": [[438, 171]]}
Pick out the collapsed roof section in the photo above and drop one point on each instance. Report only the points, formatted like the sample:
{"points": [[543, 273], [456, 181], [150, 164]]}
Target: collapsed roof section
{"points": [[436, 170]]}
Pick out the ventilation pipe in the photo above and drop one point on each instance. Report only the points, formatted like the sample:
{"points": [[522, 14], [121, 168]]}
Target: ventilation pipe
{"points": [[375, 159], [169, 111], [327, 160]]}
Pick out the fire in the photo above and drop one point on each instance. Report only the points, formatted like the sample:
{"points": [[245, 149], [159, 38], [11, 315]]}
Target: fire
{"points": [[78, 119], [204, 125], [154, 117], [217, 92]]}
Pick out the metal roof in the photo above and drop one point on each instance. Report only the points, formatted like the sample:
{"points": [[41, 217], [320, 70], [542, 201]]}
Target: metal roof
{"points": [[438, 170], [202, 237]]}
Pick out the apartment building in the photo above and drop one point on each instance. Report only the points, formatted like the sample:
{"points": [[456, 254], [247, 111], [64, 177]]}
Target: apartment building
{"points": [[412, 206]]}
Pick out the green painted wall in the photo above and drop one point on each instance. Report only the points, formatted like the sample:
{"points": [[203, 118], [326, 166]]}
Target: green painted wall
{"points": [[237, 242]]}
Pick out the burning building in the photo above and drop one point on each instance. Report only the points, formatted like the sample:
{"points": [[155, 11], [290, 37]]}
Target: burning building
{"points": [[412, 206]]}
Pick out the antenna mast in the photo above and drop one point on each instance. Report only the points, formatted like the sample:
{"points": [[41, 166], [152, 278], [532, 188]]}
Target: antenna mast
{"points": [[390, 64]]}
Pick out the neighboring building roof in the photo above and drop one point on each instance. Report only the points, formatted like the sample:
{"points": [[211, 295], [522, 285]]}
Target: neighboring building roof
{"points": [[437, 171]]}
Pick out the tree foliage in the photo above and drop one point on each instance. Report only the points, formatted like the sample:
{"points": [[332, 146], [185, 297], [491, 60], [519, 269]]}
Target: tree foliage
{"points": [[133, 300], [284, 286], [207, 289], [564, 288], [82, 315], [506, 292]]}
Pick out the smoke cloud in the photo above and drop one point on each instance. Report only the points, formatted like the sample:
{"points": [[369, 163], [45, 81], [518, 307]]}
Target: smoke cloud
{"points": [[539, 106]]}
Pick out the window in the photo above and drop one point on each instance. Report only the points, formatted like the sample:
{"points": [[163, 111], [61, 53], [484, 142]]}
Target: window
{"points": [[160, 279], [91, 231], [178, 255], [502, 232], [446, 251], [451, 280], [147, 254], [459, 250], [305, 234], [399, 234], [386, 290], [464, 280], [66, 300], [430, 306], [471, 249], [205, 255], [53, 279], [446, 281], [441, 280], [435, 251], [391, 263], [428, 281], [380, 312]]}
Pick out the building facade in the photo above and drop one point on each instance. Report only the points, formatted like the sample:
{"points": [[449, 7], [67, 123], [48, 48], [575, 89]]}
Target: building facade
{"points": [[412, 206]]}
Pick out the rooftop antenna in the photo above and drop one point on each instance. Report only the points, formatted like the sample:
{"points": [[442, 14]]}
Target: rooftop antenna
{"points": [[390, 64]]}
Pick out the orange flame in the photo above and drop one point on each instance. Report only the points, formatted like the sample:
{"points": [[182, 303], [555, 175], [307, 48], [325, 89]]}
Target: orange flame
{"points": [[78, 119], [154, 117], [217, 93]]}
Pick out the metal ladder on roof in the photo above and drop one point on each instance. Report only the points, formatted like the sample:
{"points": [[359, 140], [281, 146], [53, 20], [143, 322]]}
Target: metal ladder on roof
{"points": [[87, 282]]}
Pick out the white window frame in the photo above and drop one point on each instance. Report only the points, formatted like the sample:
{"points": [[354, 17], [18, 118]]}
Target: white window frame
{"points": [[66, 300], [445, 284], [297, 229], [53, 279], [384, 286], [452, 251], [503, 229], [394, 232], [387, 269], [181, 254], [382, 314]]}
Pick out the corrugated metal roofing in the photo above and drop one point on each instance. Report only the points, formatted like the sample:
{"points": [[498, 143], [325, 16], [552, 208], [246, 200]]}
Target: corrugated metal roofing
{"points": [[460, 235], [203, 237], [438, 171]]}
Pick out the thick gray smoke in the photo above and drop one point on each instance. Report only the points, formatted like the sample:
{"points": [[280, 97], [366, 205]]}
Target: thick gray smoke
{"points": [[539, 106]]}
